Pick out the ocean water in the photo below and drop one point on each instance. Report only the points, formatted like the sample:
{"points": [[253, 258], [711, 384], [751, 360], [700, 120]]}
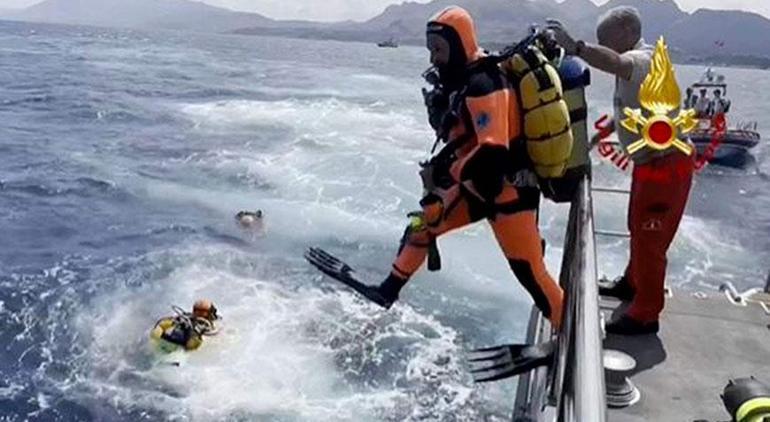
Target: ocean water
{"points": [[125, 156]]}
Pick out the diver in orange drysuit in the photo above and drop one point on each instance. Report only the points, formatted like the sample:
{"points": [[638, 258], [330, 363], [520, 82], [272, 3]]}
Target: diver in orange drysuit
{"points": [[480, 178]]}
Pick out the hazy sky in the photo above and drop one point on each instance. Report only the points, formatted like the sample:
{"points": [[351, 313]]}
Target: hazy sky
{"points": [[363, 9]]}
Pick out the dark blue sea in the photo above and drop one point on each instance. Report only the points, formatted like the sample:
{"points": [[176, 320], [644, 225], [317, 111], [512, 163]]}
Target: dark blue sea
{"points": [[124, 156]]}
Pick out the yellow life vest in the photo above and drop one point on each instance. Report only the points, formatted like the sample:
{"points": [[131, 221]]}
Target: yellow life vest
{"points": [[546, 117]]}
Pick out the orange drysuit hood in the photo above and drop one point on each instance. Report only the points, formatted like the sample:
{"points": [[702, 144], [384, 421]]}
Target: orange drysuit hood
{"points": [[455, 24]]}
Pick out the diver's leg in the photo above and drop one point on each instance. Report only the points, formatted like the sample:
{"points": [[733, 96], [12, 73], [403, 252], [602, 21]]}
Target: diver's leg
{"points": [[454, 213], [515, 227]]}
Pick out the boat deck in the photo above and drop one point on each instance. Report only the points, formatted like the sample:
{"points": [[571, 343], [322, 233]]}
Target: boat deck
{"points": [[704, 342]]}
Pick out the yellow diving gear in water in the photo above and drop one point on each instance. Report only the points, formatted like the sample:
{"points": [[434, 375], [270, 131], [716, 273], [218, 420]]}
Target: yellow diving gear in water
{"points": [[171, 334], [185, 331]]}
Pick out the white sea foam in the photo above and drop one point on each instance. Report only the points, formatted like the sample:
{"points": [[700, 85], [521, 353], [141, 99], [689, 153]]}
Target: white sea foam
{"points": [[328, 149], [285, 350]]}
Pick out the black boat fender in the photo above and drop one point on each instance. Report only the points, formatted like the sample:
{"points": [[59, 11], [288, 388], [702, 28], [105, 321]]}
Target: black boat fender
{"points": [[747, 400]]}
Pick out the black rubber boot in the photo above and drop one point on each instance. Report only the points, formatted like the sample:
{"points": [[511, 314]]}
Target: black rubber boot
{"points": [[389, 290], [619, 289]]}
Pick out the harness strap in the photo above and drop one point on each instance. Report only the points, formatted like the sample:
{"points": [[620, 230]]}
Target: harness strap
{"points": [[529, 200]]}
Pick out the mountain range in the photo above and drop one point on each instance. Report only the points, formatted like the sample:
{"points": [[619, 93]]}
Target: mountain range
{"points": [[702, 33], [166, 14]]}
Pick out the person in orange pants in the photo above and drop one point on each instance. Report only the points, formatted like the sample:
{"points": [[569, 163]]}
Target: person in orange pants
{"points": [[481, 179], [661, 179], [655, 210]]}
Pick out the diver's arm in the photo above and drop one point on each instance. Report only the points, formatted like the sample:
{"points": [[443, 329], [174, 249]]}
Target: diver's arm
{"points": [[485, 166]]}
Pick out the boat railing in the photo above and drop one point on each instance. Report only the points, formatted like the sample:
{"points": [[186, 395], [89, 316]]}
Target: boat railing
{"points": [[573, 387], [746, 126], [579, 389]]}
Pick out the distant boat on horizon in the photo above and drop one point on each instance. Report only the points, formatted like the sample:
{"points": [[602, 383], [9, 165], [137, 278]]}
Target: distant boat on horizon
{"points": [[391, 43], [734, 149]]}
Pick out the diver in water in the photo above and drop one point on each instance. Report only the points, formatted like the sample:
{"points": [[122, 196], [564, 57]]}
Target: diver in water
{"points": [[186, 330], [478, 175], [250, 219], [251, 222]]}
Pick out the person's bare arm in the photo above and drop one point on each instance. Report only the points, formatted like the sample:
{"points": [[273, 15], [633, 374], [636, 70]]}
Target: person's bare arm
{"points": [[595, 55], [607, 60]]}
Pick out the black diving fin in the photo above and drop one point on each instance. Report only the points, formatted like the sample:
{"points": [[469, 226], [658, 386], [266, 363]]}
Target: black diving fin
{"points": [[342, 272], [501, 362]]}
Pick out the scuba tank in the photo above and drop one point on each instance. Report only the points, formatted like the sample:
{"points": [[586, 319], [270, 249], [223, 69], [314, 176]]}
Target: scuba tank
{"points": [[167, 329], [556, 131], [182, 331], [575, 77], [545, 115]]}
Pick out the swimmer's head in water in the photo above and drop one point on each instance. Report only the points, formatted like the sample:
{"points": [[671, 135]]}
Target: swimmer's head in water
{"points": [[249, 218], [204, 308]]}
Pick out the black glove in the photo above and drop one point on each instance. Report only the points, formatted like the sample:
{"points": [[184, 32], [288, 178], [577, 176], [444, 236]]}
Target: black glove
{"points": [[437, 103]]}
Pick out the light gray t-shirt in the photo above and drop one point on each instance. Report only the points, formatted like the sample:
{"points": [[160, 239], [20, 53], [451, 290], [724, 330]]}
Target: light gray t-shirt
{"points": [[703, 105], [627, 95]]}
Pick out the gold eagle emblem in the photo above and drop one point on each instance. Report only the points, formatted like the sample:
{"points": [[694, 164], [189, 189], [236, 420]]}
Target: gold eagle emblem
{"points": [[659, 95]]}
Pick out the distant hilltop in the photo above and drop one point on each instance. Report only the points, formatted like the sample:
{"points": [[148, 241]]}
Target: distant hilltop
{"points": [[705, 33], [165, 14]]}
